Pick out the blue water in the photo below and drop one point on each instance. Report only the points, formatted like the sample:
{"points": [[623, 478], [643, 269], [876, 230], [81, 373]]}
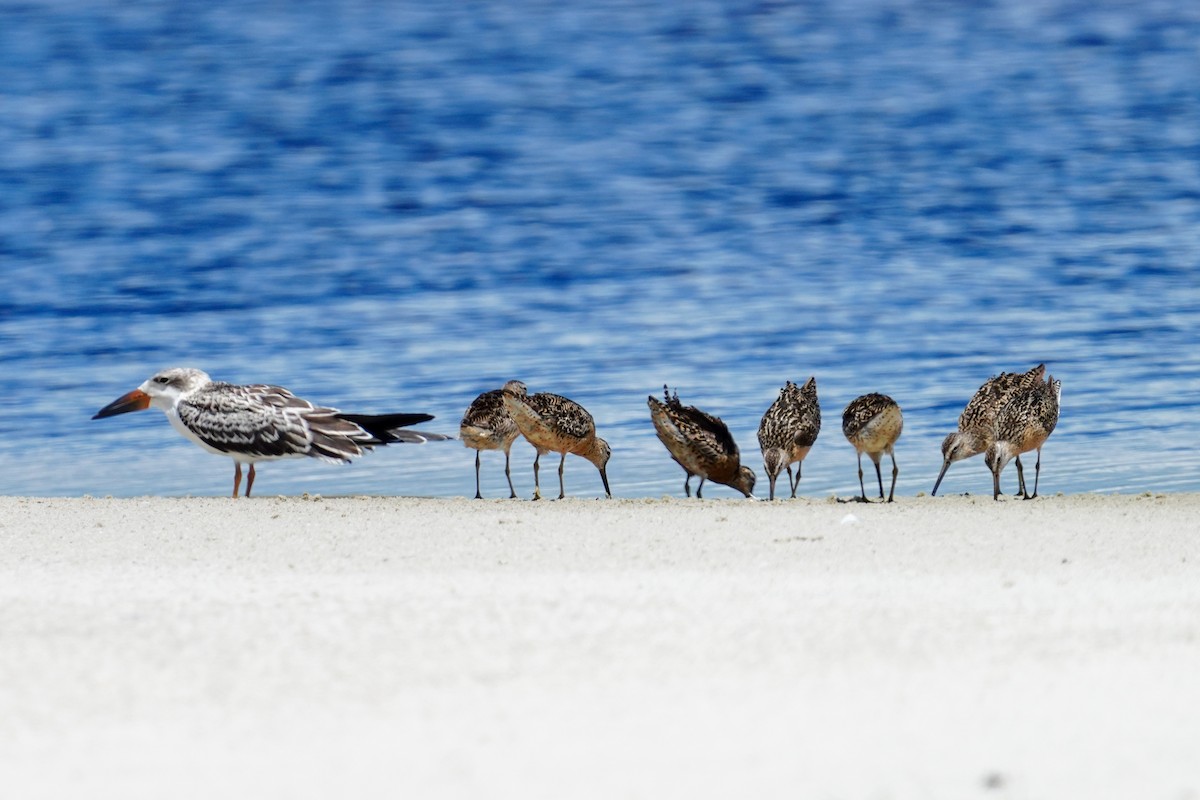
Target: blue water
{"points": [[396, 206]]}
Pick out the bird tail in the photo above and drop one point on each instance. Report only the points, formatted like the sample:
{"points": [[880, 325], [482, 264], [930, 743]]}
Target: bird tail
{"points": [[418, 437], [384, 426]]}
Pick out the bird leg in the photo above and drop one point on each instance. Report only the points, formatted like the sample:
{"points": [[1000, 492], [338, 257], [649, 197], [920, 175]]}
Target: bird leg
{"points": [[1037, 471], [861, 487], [512, 493], [879, 475], [895, 472], [698, 488], [562, 492], [537, 491], [237, 477], [687, 489], [795, 485], [478, 496], [249, 479], [1021, 480]]}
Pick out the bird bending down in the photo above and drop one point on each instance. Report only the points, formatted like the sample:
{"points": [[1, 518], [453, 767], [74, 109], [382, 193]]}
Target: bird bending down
{"points": [[486, 425], [872, 423], [788, 430], [257, 422], [977, 423], [1024, 424], [552, 423], [700, 443]]}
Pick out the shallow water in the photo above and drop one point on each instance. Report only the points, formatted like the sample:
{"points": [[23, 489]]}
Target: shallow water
{"points": [[394, 207]]}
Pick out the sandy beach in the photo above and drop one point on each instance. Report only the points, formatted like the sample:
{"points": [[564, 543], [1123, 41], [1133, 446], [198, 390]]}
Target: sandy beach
{"points": [[948, 647]]}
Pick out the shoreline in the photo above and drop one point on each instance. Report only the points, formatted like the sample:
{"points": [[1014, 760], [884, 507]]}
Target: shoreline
{"points": [[374, 647]]}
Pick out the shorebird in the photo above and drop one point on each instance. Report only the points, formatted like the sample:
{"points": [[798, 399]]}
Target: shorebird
{"points": [[258, 422], [788, 430], [977, 423], [487, 426], [872, 423], [700, 443], [554, 424], [1024, 424]]}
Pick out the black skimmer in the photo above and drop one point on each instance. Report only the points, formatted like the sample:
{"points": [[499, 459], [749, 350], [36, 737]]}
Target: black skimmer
{"points": [[259, 422]]}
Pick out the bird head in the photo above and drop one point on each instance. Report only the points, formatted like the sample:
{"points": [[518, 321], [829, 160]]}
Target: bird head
{"points": [[772, 462], [744, 482], [162, 390]]}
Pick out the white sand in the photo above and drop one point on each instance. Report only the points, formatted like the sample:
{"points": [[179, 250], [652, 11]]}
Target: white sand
{"points": [[362, 647]]}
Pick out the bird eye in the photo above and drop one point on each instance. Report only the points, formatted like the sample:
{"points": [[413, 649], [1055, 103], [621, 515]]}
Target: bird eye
{"points": [[162, 379]]}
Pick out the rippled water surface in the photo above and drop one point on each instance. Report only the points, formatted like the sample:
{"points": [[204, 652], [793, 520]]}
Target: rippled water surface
{"points": [[396, 206]]}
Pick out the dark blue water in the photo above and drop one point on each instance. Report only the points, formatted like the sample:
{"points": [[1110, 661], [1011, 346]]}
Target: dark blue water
{"points": [[395, 206]]}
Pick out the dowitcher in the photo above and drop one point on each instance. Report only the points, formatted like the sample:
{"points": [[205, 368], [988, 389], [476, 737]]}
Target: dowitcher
{"points": [[486, 425], [872, 423], [701, 444], [554, 424], [1024, 424], [788, 430], [258, 422], [977, 423]]}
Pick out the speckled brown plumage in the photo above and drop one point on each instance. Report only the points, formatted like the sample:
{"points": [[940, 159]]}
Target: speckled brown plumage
{"points": [[700, 443], [486, 425], [872, 423], [555, 424], [1024, 423], [977, 422], [788, 430]]}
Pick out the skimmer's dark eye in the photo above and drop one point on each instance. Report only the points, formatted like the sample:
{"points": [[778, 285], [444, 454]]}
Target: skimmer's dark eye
{"points": [[162, 379]]}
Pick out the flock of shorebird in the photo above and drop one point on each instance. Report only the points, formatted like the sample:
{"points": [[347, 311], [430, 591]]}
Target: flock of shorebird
{"points": [[1011, 413]]}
